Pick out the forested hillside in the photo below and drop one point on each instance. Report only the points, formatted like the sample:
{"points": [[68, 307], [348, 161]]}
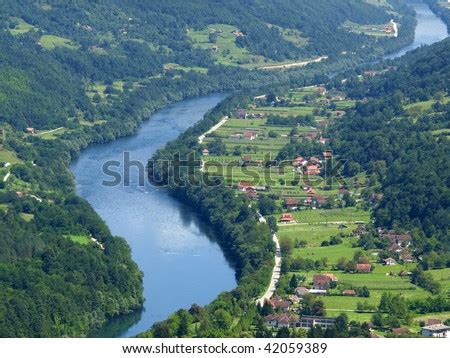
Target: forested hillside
{"points": [[400, 136]]}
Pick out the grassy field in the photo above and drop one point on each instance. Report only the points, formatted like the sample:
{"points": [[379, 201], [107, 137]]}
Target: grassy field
{"points": [[80, 239], [8, 156], [176, 66], [50, 42], [22, 27], [51, 134]]}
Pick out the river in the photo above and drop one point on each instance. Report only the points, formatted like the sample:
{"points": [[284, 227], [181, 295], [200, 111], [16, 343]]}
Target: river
{"points": [[430, 29], [181, 261]]}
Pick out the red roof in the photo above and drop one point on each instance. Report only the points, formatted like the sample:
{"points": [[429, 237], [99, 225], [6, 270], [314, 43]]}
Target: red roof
{"points": [[363, 267], [349, 293], [291, 201], [286, 217]]}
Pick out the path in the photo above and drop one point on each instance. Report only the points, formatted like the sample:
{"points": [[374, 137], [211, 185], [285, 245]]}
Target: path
{"points": [[5, 179], [276, 273], [213, 129], [50, 131], [293, 64]]}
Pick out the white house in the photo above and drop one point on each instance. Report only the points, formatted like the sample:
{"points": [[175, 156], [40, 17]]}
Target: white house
{"points": [[436, 330]]}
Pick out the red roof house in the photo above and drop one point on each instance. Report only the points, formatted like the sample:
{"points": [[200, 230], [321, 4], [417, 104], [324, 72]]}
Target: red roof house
{"points": [[286, 218], [363, 268]]}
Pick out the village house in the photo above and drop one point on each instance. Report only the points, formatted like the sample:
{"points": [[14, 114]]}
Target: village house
{"points": [[314, 160], [319, 201], [389, 262], [215, 48], [432, 321], [435, 330], [308, 201], [301, 291], [340, 113], [241, 113], [250, 135], [311, 170], [351, 293], [298, 162], [281, 320], [251, 193], [323, 281], [236, 136], [244, 185], [280, 304], [205, 152], [307, 322], [245, 160], [311, 191], [291, 203], [360, 230], [30, 130], [363, 268], [321, 91], [312, 135], [406, 256], [286, 218]]}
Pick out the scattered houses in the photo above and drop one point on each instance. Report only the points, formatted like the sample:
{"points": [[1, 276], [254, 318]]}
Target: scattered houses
{"points": [[301, 291], [205, 152], [241, 113], [280, 304], [400, 331], [312, 170]]}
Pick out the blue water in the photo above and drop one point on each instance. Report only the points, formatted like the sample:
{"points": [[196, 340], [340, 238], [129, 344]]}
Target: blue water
{"points": [[181, 262]]}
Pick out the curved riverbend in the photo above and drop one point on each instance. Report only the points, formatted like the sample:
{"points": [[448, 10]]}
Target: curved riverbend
{"points": [[176, 251], [181, 262], [430, 29]]}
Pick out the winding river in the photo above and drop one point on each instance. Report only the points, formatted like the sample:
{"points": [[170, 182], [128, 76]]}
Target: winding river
{"points": [[181, 261]]}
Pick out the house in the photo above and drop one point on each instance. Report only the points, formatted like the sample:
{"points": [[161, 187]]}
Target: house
{"points": [[340, 113], [315, 291], [323, 281], [241, 113], [251, 193], [322, 91], [406, 256], [291, 203], [328, 154], [311, 191], [312, 170], [370, 73], [389, 261], [250, 135], [314, 161], [301, 291], [360, 230], [245, 160], [281, 320], [236, 136], [244, 185], [286, 218], [215, 48], [400, 330], [311, 135], [298, 162], [308, 201], [280, 304], [363, 268], [349, 293], [432, 321], [319, 201], [205, 152], [307, 322], [30, 130], [435, 330]]}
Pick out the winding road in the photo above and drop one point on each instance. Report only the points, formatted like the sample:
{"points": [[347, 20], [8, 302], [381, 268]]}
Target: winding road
{"points": [[276, 272]]}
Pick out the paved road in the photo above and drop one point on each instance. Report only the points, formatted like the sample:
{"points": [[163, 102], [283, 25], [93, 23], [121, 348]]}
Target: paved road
{"points": [[276, 273], [213, 129]]}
